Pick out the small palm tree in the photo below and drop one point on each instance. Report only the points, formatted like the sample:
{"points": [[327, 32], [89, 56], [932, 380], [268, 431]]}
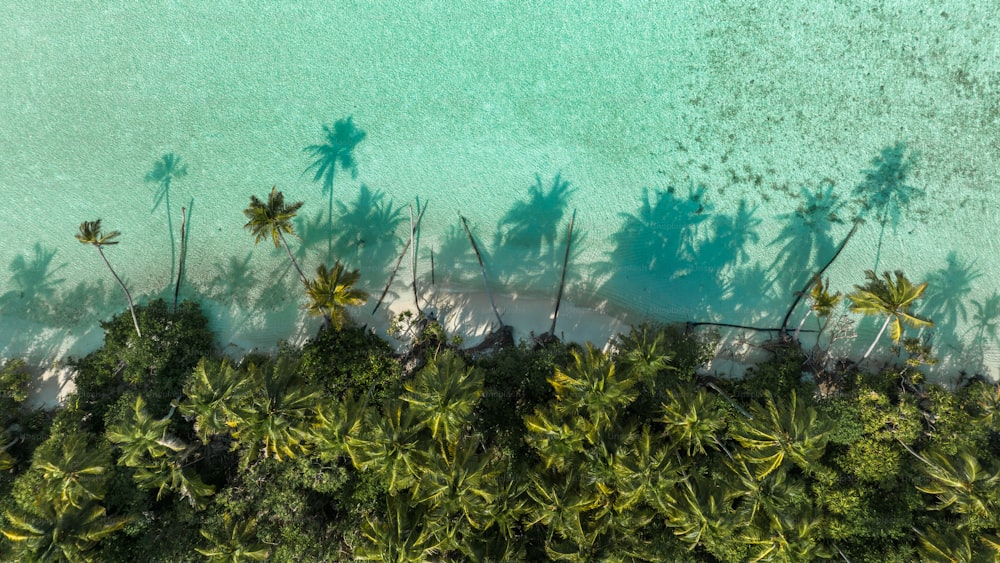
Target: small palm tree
{"points": [[332, 291], [693, 419], [236, 542], [142, 437], [273, 219], [820, 302], [90, 233], [281, 412], [882, 296]]}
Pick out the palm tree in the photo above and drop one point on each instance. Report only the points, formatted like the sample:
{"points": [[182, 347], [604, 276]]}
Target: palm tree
{"points": [[236, 542], [338, 150], [820, 302], [892, 299], [443, 395], [213, 391], [281, 413], [171, 474], [142, 438], [60, 533], [401, 536], [90, 233], [591, 385], [74, 474], [779, 432], [964, 487], [693, 419], [388, 442], [273, 219], [332, 291]]}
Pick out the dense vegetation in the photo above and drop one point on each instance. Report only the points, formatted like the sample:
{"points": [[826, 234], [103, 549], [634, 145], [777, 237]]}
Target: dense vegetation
{"points": [[342, 449]]}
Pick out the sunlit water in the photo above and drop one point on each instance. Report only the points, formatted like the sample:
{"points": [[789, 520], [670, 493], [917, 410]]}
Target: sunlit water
{"points": [[689, 133]]}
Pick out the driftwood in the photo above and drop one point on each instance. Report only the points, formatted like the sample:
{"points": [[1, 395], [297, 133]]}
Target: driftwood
{"points": [[180, 263], [562, 280], [399, 261], [482, 268]]}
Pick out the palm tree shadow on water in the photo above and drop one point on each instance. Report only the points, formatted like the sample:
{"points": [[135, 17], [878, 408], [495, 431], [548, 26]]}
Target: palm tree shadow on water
{"points": [[655, 251], [336, 151], [807, 238], [366, 237], [884, 193], [164, 171], [33, 284], [528, 248]]}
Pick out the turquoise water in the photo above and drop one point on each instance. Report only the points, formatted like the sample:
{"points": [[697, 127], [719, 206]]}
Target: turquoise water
{"points": [[689, 134]]}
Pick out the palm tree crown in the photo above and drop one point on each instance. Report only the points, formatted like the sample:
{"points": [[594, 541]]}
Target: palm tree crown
{"points": [[883, 296], [332, 291], [273, 219]]}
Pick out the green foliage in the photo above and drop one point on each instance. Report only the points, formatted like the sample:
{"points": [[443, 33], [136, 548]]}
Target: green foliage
{"points": [[14, 379], [351, 359], [155, 366]]}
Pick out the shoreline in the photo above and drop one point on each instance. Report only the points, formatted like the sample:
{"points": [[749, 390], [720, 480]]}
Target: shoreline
{"points": [[466, 314]]}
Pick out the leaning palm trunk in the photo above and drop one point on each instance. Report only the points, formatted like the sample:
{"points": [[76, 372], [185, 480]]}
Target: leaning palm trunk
{"points": [[292, 258], [482, 268], [877, 338], [562, 280], [180, 263], [798, 329], [131, 305]]}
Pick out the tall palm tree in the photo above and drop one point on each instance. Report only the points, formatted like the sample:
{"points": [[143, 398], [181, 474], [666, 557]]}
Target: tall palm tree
{"points": [[402, 536], [693, 419], [964, 487], [172, 474], [332, 291], [236, 542], [390, 443], [821, 302], [60, 533], [337, 150], [273, 219], [882, 296], [142, 437], [90, 233], [591, 385]]}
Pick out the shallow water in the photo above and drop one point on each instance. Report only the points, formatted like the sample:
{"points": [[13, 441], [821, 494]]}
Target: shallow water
{"points": [[689, 134]]}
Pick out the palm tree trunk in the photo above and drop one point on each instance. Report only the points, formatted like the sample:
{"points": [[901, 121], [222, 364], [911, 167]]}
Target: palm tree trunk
{"points": [[292, 258], [180, 263], [399, 261], [131, 305], [482, 268], [877, 338], [413, 260], [801, 294], [798, 329], [562, 280], [170, 229]]}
